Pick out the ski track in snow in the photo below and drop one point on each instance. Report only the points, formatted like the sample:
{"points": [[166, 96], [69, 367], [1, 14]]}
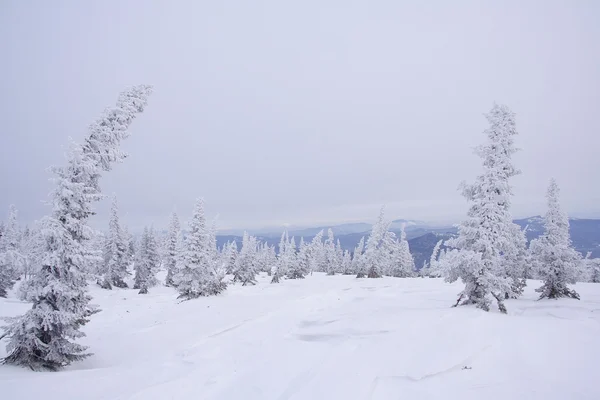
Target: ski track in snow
{"points": [[325, 338]]}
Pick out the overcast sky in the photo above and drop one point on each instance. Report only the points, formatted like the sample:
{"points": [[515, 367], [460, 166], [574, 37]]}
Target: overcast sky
{"points": [[303, 113]]}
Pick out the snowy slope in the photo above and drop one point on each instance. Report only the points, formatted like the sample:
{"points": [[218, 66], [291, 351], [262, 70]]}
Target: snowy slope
{"points": [[326, 338]]}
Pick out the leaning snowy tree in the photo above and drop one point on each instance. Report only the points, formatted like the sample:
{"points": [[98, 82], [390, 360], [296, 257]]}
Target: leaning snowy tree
{"points": [[485, 238], [43, 337], [557, 263], [116, 257]]}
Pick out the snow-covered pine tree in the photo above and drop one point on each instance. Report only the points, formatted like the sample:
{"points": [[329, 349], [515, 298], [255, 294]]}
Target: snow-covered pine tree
{"points": [[219, 268], [153, 257], [198, 275], [317, 253], [12, 261], [375, 253], [358, 264], [172, 248], [142, 264], [347, 263], [593, 269], [131, 246], [116, 252], [230, 256], [245, 266], [147, 261], [431, 269], [407, 260], [557, 263], [263, 258], [486, 235], [292, 254], [32, 246], [331, 266], [43, 337], [339, 257], [404, 264], [516, 262], [390, 255], [299, 269], [281, 266], [270, 259]]}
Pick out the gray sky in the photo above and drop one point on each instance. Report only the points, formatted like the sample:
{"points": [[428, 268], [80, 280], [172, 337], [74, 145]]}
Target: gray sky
{"points": [[303, 113]]}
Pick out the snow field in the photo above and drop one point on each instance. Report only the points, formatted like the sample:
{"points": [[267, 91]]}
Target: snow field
{"points": [[325, 337]]}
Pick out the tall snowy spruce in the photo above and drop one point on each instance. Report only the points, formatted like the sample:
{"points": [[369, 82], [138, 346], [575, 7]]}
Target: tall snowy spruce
{"points": [[317, 252], [230, 254], [331, 259], [556, 262], [358, 264], [286, 259], [116, 257], [12, 261], [486, 236], [301, 267], [147, 262], [403, 262], [173, 247], [198, 274], [375, 249], [43, 337], [245, 269]]}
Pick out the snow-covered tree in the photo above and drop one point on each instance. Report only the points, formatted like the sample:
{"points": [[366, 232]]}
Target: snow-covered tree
{"points": [[557, 263], [317, 252], [230, 253], [593, 269], [516, 262], [131, 250], [12, 261], [245, 266], [142, 264], [300, 268], [147, 262], [404, 264], [173, 246], [32, 248], [375, 252], [486, 234], [282, 262], [331, 259], [432, 269], [270, 256], [116, 256], [339, 257], [198, 274], [358, 264], [346, 264], [286, 257], [43, 337]]}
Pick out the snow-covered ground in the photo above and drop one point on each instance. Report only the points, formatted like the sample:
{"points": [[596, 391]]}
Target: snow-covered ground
{"points": [[326, 338]]}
